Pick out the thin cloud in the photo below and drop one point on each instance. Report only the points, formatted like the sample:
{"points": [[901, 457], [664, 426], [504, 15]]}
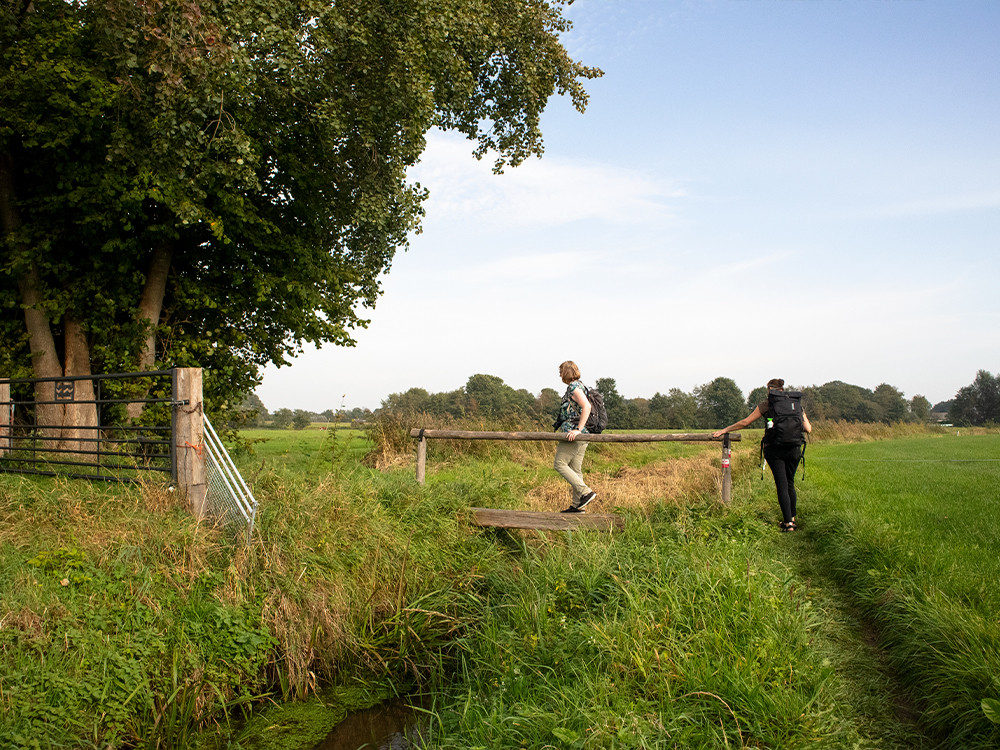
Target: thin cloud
{"points": [[541, 192]]}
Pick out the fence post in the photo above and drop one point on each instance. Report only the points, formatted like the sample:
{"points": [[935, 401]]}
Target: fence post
{"points": [[189, 438], [6, 419], [421, 458], [727, 475]]}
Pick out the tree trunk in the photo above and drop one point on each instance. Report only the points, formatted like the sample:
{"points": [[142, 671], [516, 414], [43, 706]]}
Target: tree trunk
{"points": [[150, 308], [45, 360], [60, 425], [79, 419], [151, 304]]}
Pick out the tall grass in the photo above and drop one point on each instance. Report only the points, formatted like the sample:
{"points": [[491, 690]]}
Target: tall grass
{"points": [[124, 622], [680, 632]]}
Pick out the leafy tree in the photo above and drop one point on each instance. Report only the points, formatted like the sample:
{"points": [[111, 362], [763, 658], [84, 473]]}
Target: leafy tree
{"points": [[282, 419], [216, 183], [979, 402], [757, 395], [358, 413], [547, 404], [676, 410], [892, 406], [638, 413], [720, 403], [852, 403], [252, 412], [452, 403], [489, 395], [301, 419], [920, 409], [414, 400]]}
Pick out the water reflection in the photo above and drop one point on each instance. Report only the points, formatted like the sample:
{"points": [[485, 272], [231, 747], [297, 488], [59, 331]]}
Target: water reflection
{"points": [[386, 727]]}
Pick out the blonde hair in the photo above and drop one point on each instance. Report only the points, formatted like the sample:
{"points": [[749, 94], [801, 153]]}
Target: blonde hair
{"points": [[776, 384], [568, 371]]}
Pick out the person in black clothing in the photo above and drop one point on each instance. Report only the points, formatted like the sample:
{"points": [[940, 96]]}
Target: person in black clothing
{"points": [[782, 459]]}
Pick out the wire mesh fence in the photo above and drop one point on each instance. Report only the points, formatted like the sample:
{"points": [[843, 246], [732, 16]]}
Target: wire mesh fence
{"points": [[228, 497]]}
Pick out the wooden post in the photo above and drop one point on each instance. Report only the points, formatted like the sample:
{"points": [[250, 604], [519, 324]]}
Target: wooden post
{"points": [[421, 458], [727, 474], [189, 438], [6, 419]]}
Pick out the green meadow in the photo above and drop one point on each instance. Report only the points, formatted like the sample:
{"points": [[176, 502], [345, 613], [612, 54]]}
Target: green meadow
{"points": [[126, 623]]}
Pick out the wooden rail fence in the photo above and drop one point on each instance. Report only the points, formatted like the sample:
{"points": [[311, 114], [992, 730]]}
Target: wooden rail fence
{"points": [[423, 435]]}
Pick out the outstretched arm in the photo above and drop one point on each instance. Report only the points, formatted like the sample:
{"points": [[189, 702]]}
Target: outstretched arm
{"points": [[753, 417]]}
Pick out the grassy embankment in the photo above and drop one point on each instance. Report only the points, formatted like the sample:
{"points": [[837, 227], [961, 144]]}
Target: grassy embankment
{"points": [[125, 622]]}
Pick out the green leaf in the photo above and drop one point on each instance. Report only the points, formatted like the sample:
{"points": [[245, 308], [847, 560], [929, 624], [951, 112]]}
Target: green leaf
{"points": [[991, 707], [566, 735]]}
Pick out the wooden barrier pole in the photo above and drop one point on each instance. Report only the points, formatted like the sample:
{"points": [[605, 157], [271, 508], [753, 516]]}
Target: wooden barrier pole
{"points": [[604, 437], [423, 435], [727, 475], [189, 438]]}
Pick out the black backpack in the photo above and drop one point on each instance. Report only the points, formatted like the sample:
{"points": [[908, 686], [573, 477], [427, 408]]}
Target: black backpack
{"points": [[598, 418], [784, 419]]}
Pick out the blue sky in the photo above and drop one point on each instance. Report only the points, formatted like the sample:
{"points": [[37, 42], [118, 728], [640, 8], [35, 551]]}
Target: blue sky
{"points": [[806, 189]]}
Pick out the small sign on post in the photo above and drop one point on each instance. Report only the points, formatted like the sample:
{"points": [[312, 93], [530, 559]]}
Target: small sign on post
{"points": [[6, 419]]}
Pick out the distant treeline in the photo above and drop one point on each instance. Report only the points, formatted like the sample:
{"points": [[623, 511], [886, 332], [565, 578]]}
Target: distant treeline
{"points": [[253, 413], [713, 404]]}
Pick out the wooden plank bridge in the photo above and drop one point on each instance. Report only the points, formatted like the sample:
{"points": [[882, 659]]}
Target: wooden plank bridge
{"points": [[543, 521]]}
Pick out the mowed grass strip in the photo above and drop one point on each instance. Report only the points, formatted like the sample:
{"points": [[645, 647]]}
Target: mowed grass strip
{"points": [[912, 528]]}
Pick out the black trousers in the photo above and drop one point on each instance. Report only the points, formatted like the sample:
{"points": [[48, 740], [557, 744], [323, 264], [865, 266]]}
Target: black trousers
{"points": [[784, 460]]}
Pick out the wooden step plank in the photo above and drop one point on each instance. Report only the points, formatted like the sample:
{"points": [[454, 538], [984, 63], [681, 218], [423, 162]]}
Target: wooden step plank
{"points": [[529, 519]]}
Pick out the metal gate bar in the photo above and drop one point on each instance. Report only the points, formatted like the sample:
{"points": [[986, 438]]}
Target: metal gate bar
{"points": [[229, 498], [110, 445]]}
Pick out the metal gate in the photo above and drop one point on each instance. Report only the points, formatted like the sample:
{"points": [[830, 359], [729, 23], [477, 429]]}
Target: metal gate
{"points": [[126, 432]]}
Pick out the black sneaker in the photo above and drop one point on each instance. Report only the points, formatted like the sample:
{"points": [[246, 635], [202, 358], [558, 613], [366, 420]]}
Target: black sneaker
{"points": [[585, 500], [572, 509]]}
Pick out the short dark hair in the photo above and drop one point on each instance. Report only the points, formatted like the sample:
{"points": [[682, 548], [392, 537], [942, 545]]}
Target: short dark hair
{"points": [[776, 384]]}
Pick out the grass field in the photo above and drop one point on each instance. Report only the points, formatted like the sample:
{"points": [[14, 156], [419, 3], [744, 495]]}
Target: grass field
{"points": [[124, 623], [912, 528]]}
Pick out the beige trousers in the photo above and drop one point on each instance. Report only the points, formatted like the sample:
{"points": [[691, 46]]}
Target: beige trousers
{"points": [[569, 464]]}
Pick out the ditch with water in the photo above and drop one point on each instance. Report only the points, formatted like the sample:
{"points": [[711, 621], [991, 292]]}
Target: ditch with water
{"points": [[390, 726]]}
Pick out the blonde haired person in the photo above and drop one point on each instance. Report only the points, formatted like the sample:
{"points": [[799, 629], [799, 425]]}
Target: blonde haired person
{"points": [[573, 413], [783, 460]]}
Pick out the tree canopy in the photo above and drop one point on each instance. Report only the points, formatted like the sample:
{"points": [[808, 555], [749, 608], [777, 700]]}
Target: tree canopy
{"points": [[977, 403], [209, 183]]}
